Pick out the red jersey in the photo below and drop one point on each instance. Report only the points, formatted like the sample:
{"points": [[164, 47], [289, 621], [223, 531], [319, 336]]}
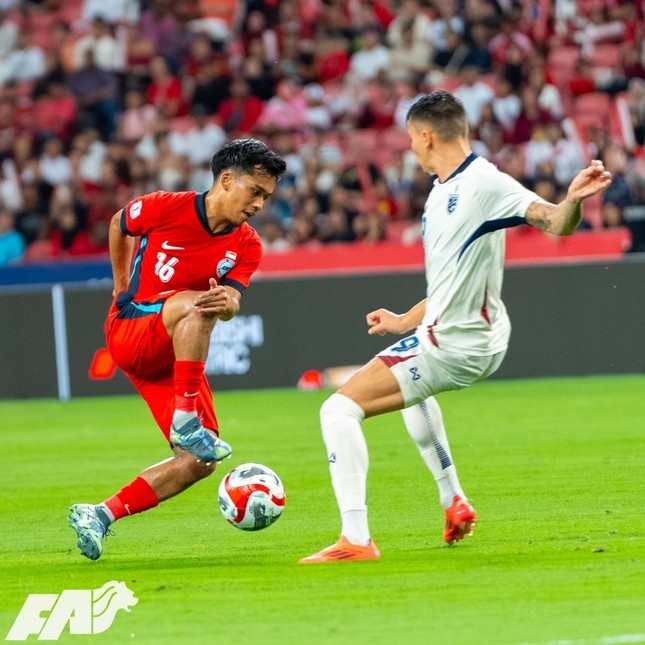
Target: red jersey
{"points": [[178, 250]]}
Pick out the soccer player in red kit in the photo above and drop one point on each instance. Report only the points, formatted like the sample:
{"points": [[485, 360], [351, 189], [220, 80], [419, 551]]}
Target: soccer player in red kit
{"points": [[192, 260]]}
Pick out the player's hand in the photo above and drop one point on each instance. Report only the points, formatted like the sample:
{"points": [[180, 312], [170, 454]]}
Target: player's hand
{"points": [[214, 301], [589, 181], [383, 321]]}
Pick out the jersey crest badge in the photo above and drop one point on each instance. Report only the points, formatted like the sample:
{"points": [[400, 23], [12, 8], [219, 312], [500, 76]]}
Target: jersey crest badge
{"points": [[135, 209], [224, 266], [452, 203]]}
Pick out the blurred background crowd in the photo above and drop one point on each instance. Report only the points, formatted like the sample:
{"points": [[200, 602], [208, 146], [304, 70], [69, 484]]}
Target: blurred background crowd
{"points": [[103, 101]]}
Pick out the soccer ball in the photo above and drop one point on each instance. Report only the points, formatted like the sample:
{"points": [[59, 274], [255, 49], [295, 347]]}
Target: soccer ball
{"points": [[251, 497]]}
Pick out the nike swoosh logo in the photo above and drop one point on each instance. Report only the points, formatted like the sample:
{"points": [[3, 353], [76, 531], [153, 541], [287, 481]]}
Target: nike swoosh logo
{"points": [[167, 246], [190, 395]]}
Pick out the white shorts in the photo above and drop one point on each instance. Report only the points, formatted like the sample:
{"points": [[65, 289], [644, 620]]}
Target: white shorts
{"points": [[422, 369]]}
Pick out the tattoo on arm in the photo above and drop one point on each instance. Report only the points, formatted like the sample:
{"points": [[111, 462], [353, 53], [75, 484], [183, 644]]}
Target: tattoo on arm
{"points": [[539, 214], [559, 219]]}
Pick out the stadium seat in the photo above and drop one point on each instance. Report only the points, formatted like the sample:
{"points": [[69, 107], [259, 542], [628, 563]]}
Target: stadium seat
{"points": [[597, 103], [561, 63], [605, 55]]}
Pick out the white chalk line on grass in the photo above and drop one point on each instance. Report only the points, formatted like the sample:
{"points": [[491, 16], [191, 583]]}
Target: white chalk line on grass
{"points": [[622, 639]]}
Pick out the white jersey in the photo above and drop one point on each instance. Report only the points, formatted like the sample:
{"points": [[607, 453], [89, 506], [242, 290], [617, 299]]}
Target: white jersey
{"points": [[464, 241]]}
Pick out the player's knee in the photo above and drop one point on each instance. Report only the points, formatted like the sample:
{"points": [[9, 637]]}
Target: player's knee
{"points": [[340, 405]]}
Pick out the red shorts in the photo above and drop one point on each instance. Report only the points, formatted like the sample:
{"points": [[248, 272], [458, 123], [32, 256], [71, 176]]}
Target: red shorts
{"points": [[140, 346]]}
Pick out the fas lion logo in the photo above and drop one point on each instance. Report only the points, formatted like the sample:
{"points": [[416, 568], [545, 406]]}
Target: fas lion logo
{"points": [[87, 611]]}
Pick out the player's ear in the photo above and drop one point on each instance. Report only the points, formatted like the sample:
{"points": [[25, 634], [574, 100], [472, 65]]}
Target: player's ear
{"points": [[428, 137], [225, 180]]}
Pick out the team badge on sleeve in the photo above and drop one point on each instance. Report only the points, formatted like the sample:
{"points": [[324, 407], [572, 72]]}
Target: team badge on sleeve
{"points": [[135, 209], [452, 203], [224, 266]]}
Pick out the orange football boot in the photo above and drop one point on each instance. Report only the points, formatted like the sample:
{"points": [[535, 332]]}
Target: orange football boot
{"points": [[460, 520], [343, 551]]}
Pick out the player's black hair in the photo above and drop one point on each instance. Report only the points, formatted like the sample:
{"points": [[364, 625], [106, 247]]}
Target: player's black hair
{"points": [[247, 156], [444, 112]]}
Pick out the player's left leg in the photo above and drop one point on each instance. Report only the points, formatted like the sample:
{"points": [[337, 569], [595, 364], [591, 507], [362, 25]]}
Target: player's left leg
{"points": [[190, 332], [154, 485], [424, 423]]}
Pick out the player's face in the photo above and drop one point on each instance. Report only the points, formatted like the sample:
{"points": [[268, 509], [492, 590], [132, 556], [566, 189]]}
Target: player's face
{"points": [[421, 145], [247, 195]]}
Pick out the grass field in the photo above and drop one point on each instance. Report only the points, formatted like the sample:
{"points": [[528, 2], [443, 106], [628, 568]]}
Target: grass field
{"points": [[555, 469]]}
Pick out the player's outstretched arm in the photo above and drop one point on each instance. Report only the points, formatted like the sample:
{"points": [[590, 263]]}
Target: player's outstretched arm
{"points": [[564, 218], [383, 321]]}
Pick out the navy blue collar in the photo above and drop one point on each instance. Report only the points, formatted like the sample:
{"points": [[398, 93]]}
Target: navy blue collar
{"points": [[200, 207], [464, 164]]}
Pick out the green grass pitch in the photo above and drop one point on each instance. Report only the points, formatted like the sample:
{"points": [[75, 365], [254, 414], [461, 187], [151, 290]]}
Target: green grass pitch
{"points": [[555, 469]]}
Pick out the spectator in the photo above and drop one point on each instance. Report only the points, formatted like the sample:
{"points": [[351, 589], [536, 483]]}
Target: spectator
{"points": [[410, 91], [506, 104], [55, 112], [136, 119], [165, 91], [583, 80], [114, 12], [617, 196], [108, 52], [371, 58], [272, 234], [8, 35], [530, 117], [54, 165], [97, 94], [473, 93], [258, 72], [446, 25], [331, 58], [636, 101], [239, 114], [408, 38], [336, 226], [256, 29], [510, 45], [370, 227], [317, 113], [286, 110], [31, 219], [139, 52], [548, 95], [159, 25], [10, 191], [202, 139], [477, 39], [380, 106], [26, 62], [12, 244]]}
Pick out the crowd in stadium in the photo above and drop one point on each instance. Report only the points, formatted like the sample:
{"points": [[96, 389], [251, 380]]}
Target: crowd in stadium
{"points": [[103, 101]]}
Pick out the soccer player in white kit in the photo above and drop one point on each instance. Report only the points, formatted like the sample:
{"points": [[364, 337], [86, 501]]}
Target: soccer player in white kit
{"points": [[457, 335]]}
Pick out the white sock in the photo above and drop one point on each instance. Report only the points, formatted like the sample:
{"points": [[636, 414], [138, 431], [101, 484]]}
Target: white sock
{"points": [[340, 419], [424, 423]]}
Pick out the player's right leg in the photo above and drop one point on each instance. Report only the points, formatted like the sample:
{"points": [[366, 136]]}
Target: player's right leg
{"points": [[371, 389]]}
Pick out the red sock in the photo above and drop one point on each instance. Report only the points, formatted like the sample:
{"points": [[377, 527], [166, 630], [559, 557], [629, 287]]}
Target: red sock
{"points": [[188, 379], [136, 497]]}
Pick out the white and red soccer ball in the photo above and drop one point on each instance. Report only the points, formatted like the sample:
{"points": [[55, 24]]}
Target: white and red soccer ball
{"points": [[251, 497]]}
